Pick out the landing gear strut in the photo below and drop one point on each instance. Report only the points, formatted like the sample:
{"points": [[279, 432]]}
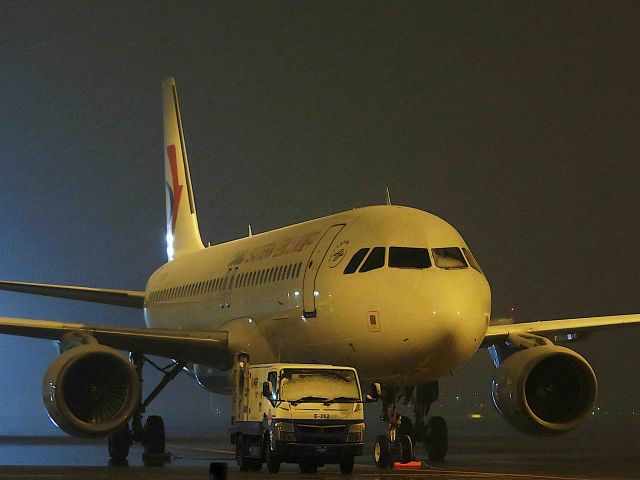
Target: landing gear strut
{"points": [[151, 434], [402, 436], [396, 445]]}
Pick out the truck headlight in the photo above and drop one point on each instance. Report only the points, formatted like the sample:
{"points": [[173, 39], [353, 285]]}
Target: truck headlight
{"points": [[284, 432], [355, 432]]}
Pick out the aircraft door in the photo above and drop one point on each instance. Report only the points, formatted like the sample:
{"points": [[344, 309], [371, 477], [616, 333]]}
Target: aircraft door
{"points": [[312, 268], [227, 286]]}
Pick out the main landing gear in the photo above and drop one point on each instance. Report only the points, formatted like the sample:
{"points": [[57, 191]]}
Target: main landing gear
{"points": [[399, 443], [151, 434]]}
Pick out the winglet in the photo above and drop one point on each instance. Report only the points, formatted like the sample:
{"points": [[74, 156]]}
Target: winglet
{"points": [[183, 234]]}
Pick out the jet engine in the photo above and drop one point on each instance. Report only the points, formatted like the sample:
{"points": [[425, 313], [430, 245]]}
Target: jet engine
{"points": [[90, 391], [544, 390]]}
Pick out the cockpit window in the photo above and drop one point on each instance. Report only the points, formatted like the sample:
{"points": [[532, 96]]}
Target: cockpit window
{"points": [[355, 261], [471, 259], [407, 257], [449, 258], [374, 260]]}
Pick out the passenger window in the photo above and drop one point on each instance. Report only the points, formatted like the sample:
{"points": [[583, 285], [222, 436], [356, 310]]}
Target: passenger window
{"points": [[355, 261], [449, 258], [471, 259], [407, 257], [374, 260]]}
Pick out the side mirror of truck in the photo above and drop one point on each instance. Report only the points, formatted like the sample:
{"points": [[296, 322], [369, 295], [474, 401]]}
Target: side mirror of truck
{"points": [[376, 393], [266, 390]]}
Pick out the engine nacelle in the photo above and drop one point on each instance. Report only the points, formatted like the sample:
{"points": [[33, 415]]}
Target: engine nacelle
{"points": [[544, 390], [90, 391]]}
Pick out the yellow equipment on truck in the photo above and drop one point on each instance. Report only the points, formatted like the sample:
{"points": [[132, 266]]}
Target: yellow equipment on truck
{"points": [[298, 413]]}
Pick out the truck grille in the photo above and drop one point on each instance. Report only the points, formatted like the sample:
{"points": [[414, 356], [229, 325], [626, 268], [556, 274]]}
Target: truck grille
{"points": [[321, 428], [321, 433]]}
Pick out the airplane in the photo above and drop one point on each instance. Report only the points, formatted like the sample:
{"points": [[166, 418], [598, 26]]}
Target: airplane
{"points": [[390, 290]]}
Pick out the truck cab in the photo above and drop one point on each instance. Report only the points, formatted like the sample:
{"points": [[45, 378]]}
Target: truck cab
{"points": [[299, 413]]}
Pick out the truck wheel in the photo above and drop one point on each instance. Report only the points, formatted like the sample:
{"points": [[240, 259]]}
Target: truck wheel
{"points": [[271, 458], [346, 465], [382, 451], [244, 463], [308, 467]]}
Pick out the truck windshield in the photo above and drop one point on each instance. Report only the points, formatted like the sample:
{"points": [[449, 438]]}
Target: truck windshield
{"points": [[299, 385]]}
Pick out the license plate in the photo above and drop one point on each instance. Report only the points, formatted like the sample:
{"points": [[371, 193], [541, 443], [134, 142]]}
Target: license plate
{"points": [[321, 449]]}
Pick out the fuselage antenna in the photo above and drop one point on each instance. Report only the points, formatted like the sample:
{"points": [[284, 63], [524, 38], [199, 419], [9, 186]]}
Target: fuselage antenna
{"points": [[388, 197]]}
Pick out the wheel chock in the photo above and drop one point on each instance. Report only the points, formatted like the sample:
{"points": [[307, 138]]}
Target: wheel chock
{"points": [[415, 465]]}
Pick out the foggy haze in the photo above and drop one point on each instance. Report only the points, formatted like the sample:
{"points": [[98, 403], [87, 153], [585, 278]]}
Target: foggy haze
{"points": [[516, 122]]}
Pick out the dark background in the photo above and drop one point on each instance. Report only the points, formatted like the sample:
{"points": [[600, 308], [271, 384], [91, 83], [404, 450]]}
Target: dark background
{"points": [[517, 122]]}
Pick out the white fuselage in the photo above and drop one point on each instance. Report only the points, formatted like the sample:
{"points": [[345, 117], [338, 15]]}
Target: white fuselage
{"points": [[283, 296]]}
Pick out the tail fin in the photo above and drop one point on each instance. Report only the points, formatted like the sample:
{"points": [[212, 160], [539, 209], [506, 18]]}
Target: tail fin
{"points": [[183, 235]]}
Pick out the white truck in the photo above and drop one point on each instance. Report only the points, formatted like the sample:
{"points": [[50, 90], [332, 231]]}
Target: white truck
{"points": [[299, 413]]}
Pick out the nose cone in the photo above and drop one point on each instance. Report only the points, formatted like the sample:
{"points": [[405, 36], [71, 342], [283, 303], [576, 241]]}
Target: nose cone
{"points": [[452, 323]]}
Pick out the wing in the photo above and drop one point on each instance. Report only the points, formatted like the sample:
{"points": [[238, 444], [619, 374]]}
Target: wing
{"points": [[558, 327], [186, 345], [123, 298]]}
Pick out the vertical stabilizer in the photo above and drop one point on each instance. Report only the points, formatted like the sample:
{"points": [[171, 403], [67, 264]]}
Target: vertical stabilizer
{"points": [[183, 234]]}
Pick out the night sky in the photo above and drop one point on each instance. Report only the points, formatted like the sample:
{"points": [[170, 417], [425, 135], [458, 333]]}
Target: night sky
{"points": [[517, 122]]}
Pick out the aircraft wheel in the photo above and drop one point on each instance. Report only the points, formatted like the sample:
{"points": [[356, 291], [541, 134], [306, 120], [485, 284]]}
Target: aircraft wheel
{"points": [[255, 464], [346, 465], [382, 451], [244, 462], [406, 448], [154, 439], [271, 458], [406, 428], [437, 438], [119, 443]]}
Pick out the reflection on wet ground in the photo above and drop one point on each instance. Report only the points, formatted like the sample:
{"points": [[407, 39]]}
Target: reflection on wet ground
{"points": [[472, 456]]}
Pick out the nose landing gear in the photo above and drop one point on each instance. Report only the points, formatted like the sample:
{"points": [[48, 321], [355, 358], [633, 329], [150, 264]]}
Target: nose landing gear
{"points": [[398, 444]]}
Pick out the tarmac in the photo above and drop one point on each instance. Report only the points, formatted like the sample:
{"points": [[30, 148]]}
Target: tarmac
{"points": [[608, 455]]}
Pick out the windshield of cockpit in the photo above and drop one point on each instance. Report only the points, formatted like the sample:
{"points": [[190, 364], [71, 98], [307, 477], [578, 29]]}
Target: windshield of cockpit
{"points": [[318, 385]]}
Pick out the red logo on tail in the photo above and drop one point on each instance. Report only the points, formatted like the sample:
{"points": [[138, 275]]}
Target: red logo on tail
{"points": [[175, 190]]}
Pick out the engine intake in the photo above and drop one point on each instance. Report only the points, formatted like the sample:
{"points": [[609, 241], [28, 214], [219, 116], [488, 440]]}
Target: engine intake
{"points": [[544, 390], [90, 391]]}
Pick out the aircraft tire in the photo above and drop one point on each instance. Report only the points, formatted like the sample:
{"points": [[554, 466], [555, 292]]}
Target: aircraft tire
{"points": [[406, 448], [406, 428], [244, 462], [382, 451], [437, 438], [154, 435], [119, 443]]}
